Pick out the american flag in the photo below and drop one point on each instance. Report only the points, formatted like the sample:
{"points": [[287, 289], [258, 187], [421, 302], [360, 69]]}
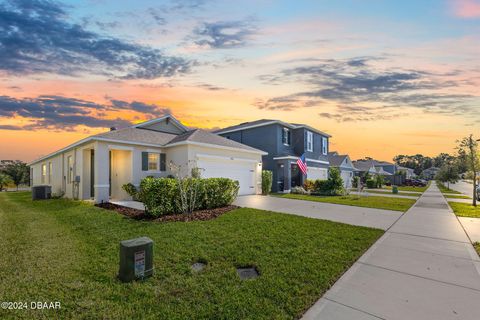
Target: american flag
{"points": [[302, 164]]}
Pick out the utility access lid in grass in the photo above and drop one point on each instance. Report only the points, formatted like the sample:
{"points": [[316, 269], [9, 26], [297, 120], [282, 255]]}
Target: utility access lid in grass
{"points": [[198, 266], [246, 273]]}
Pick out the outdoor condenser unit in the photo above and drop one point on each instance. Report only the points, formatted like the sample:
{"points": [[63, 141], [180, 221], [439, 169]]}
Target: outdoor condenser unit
{"points": [[136, 259], [41, 192]]}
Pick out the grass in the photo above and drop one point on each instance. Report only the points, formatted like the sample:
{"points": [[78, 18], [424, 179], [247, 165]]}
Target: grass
{"points": [[408, 188], [476, 245], [398, 194], [465, 209], [61, 250], [444, 189], [387, 203], [456, 196]]}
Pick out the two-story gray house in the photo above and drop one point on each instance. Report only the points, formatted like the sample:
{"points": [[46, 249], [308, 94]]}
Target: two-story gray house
{"points": [[285, 143]]}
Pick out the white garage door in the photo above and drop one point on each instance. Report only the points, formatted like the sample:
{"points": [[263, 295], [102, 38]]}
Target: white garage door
{"points": [[347, 178], [317, 173], [241, 171]]}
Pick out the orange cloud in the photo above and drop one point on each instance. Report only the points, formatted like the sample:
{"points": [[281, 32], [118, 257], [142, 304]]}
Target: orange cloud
{"points": [[466, 8]]}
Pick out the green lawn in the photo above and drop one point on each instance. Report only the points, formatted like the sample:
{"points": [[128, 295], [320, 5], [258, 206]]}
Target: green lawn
{"points": [[61, 250], [459, 196], [388, 203], [444, 189], [408, 188], [476, 245], [465, 209], [398, 194]]}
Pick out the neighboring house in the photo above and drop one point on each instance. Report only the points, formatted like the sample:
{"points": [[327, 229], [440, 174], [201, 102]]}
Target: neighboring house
{"points": [[97, 167], [409, 173], [285, 143], [430, 173], [382, 172], [345, 165], [388, 167], [364, 166]]}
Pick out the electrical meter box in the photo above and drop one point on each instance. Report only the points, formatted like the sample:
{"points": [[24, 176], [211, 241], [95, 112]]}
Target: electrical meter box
{"points": [[136, 259]]}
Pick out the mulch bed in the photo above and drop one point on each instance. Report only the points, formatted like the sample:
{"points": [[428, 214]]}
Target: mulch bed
{"points": [[199, 215]]}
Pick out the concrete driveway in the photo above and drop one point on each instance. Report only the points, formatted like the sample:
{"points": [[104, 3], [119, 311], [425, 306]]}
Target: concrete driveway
{"points": [[367, 217], [423, 267], [463, 187]]}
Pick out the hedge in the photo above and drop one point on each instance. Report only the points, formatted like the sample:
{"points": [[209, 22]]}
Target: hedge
{"points": [[161, 196], [267, 178]]}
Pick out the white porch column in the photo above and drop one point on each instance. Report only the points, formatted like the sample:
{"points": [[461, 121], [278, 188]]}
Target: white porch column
{"points": [[102, 172]]}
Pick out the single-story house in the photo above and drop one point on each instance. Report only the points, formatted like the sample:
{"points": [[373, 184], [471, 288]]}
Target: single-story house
{"points": [[409, 173], [364, 166], [97, 167], [345, 165], [430, 173]]}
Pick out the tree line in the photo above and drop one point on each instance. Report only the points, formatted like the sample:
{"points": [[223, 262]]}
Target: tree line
{"points": [[13, 172]]}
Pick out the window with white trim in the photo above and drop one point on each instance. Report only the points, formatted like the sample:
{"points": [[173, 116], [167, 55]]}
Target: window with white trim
{"points": [[153, 161], [309, 141], [324, 145], [286, 136], [44, 173]]}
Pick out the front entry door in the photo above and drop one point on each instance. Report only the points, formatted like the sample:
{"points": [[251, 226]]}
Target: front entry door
{"points": [[296, 180]]}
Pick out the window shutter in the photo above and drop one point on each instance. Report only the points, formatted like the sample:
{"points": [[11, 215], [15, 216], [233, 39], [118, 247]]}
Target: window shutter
{"points": [[163, 162], [144, 161]]}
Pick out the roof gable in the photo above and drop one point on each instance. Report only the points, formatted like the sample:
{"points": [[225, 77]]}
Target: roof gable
{"points": [[167, 124]]}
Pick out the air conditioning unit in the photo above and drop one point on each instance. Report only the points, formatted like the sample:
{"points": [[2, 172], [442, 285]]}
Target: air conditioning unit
{"points": [[41, 192]]}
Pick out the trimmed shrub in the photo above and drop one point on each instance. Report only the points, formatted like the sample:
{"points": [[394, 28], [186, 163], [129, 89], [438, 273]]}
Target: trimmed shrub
{"points": [[163, 196], [160, 196], [217, 192], [371, 184], [131, 190], [309, 185], [267, 178], [298, 190], [321, 187]]}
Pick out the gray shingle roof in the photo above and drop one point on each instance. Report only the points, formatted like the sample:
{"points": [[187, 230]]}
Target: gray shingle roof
{"points": [[335, 159], [202, 136], [266, 121], [138, 135], [363, 165]]}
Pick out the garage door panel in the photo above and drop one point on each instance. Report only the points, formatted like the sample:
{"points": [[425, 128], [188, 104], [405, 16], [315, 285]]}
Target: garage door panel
{"points": [[317, 173], [241, 171]]}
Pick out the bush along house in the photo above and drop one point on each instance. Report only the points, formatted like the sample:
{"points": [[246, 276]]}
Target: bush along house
{"points": [[285, 143]]}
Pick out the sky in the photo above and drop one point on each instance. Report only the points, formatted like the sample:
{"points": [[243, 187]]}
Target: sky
{"points": [[382, 77]]}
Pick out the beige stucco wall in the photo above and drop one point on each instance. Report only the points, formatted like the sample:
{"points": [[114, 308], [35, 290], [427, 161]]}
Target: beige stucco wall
{"points": [[127, 160]]}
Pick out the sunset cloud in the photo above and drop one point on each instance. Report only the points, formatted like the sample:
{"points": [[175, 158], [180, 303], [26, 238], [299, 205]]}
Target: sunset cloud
{"points": [[38, 37], [466, 8]]}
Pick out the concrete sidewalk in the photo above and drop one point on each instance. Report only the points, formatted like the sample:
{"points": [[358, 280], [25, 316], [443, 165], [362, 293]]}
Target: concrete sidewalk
{"points": [[423, 267], [367, 217]]}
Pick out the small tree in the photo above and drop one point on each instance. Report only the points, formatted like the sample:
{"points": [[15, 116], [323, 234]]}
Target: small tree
{"points": [[267, 179], [356, 182], [335, 181], [448, 173], [4, 180], [470, 146], [18, 172], [188, 187], [379, 181]]}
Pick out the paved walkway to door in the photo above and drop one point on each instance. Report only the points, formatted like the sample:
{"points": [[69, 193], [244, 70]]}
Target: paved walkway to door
{"points": [[423, 267], [367, 217]]}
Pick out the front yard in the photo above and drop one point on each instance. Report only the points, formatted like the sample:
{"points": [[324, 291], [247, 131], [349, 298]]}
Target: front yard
{"points": [[410, 194], [409, 188], [61, 250], [445, 189], [387, 203], [465, 209]]}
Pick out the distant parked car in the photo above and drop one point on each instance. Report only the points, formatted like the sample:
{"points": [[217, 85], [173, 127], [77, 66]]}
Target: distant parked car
{"points": [[478, 193], [415, 182]]}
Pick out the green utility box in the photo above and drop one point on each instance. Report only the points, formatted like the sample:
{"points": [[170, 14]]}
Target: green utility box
{"points": [[394, 189], [136, 259]]}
